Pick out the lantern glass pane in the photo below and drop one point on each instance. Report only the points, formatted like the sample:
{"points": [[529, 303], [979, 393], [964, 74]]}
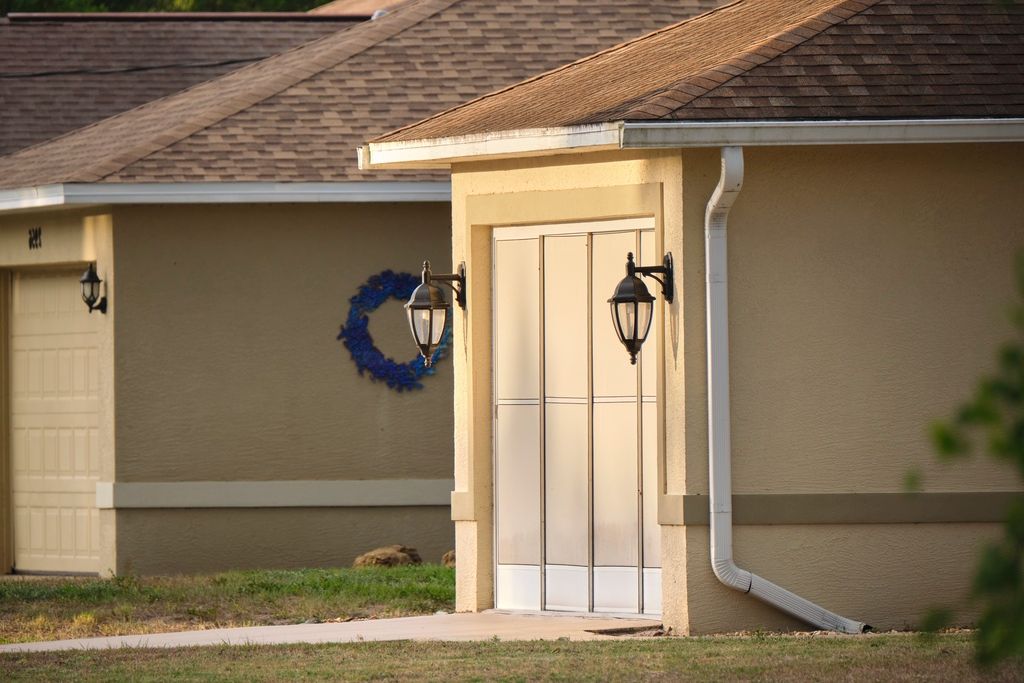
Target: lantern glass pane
{"points": [[440, 318], [419, 324], [644, 315], [615, 321], [626, 317], [90, 292]]}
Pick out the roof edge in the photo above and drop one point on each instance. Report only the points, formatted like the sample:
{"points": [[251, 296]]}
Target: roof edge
{"points": [[682, 134], [91, 194], [441, 152]]}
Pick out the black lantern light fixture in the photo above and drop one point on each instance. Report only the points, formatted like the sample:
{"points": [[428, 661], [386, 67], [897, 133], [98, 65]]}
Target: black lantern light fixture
{"points": [[428, 309], [633, 305], [91, 290]]}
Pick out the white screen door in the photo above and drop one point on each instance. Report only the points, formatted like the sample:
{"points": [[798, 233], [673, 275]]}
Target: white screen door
{"points": [[575, 424]]}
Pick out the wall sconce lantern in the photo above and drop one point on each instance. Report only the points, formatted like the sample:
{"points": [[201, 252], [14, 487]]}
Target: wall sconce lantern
{"points": [[632, 304], [91, 290], [428, 309]]}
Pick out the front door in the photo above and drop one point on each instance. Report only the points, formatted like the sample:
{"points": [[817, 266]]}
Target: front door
{"points": [[576, 437]]}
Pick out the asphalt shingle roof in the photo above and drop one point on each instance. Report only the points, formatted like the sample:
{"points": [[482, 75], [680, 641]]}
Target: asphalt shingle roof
{"points": [[89, 68], [300, 115], [777, 60]]}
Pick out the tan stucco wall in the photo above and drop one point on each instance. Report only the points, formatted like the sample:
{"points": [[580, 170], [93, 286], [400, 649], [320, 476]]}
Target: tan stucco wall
{"points": [[228, 364], [886, 575], [228, 368], [215, 540], [70, 240], [868, 291]]}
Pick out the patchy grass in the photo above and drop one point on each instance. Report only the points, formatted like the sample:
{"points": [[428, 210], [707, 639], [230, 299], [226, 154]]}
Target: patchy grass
{"points": [[888, 657], [34, 608]]}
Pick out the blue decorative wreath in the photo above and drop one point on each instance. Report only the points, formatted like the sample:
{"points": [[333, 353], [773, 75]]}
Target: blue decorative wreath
{"points": [[355, 333]]}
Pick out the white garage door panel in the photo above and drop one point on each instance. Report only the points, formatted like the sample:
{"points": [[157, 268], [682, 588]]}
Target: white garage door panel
{"points": [[573, 421], [54, 425]]}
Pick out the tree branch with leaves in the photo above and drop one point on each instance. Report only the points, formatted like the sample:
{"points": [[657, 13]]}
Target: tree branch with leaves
{"points": [[993, 419]]}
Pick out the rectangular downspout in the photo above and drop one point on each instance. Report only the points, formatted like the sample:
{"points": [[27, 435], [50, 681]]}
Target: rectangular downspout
{"points": [[719, 446]]}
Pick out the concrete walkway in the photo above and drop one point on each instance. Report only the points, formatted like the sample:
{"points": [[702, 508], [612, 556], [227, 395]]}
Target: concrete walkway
{"points": [[482, 626]]}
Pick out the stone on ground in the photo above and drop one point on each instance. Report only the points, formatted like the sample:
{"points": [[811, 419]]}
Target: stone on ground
{"points": [[388, 556]]}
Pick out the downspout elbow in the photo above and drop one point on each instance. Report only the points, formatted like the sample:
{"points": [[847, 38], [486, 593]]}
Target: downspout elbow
{"points": [[731, 575]]}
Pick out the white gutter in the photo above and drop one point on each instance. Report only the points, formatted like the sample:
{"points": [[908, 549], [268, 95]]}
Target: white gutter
{"points": [[760, 133], [719, 447], [440, 152], [79, 194]]}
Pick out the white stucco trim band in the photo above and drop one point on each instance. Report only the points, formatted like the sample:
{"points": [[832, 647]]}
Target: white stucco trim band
{"points": [[274, 494], [440, 152], [83, 194]]}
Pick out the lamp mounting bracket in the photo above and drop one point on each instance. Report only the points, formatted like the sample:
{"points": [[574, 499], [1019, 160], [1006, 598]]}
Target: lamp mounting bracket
{"points": [[667, 284], [455, 281]]}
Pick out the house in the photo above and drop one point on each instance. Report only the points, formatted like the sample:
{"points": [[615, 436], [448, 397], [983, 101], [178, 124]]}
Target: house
{"points": [[62, 71], [838, 186], [212, 418]]}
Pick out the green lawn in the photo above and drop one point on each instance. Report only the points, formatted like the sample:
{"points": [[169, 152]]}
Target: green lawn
{"points": [[889, 657], [55, 608]]}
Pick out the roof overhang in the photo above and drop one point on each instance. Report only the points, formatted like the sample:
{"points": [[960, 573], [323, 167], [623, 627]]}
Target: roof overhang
{"points": [[441, 152], [92, 194]]}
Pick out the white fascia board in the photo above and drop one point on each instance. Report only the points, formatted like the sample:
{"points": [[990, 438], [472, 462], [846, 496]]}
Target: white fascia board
{"points": [[439, 152], [31, 197], [83, 194], [677, 134]]}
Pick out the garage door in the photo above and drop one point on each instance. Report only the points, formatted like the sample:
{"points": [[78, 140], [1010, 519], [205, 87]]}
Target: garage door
{"points": [[54, 445]]}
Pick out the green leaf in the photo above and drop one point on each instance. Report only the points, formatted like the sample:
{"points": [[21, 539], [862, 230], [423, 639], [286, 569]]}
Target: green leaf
{"points": [[948, 440], [912, 480]]}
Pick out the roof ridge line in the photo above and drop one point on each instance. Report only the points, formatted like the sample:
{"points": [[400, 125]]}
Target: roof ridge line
{"points": [[348, 46], [613, 48], [755, 55]]}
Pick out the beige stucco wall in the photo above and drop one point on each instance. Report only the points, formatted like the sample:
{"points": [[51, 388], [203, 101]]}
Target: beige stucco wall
{"points": [[70, 240], [868, 291], [218, 539], [228, 364], [228, 368]]}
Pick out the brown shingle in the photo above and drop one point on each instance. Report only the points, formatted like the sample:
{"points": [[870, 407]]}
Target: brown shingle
{"points": [[858, 60], [322, 100], [140, 60]]}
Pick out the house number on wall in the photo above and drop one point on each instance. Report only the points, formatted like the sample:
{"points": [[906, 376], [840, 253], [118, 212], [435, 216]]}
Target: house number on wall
{"points": [[35, 238]]}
